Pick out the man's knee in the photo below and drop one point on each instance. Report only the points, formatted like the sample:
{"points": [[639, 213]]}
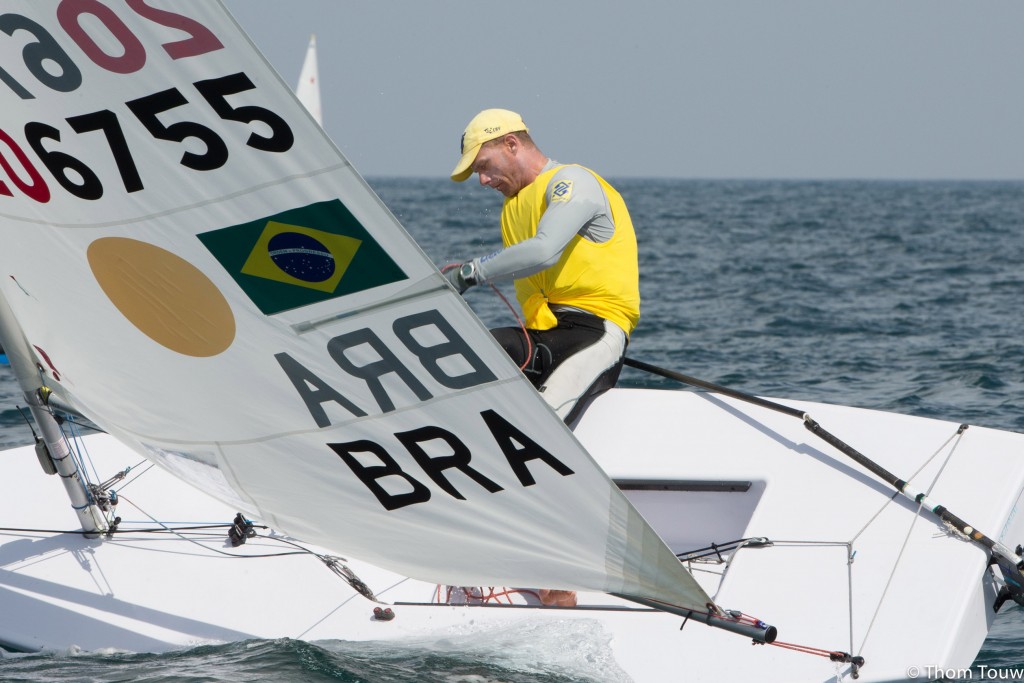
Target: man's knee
{"points": [[605, 381]]}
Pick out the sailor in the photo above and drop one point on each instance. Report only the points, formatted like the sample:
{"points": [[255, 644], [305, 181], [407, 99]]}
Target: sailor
{"points": [[569, 246]]}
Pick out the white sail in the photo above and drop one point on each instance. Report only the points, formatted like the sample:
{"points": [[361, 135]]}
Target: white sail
{"points": [[308, 87], [202, 273]]}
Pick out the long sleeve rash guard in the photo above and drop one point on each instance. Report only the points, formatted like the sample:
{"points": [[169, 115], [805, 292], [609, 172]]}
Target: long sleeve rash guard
{"points": [[586, 213]]}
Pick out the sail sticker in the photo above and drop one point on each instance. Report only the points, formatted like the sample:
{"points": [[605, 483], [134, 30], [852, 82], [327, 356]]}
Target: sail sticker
{"points": [[302, 256], [294, 255], [167, 298]]}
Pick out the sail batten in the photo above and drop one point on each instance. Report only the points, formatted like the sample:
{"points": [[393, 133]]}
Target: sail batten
{"points": [[414, 293], [342, 392]]}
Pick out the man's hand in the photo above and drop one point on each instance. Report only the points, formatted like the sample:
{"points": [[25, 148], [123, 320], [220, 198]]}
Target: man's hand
{"points": [[462, 276]]}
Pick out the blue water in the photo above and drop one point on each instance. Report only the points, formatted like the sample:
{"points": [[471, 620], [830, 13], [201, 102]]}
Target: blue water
{"points": [[900, 296]]}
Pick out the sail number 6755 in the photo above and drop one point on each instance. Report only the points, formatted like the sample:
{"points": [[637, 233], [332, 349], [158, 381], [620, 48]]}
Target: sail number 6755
{"points": [[79, 179]]}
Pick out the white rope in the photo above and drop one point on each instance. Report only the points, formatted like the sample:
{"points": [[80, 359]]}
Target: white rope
{"points": [[906, 539]]}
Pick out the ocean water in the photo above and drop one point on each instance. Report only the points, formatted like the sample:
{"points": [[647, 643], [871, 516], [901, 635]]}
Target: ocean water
{"points": [[900, 296]]}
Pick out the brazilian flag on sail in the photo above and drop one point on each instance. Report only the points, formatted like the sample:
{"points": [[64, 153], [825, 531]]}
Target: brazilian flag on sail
{"points": [[302, 256]]}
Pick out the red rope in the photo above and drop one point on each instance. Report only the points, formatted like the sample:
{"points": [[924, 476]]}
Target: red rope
{"points": [[492, 594], [806, 649], [522, 325], [834, 655]]}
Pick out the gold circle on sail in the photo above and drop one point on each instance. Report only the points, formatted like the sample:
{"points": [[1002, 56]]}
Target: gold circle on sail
{"points": [[167, 298]]}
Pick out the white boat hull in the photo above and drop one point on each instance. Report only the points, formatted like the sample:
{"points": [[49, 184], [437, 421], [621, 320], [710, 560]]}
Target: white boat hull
{"points": [[701, 469]]}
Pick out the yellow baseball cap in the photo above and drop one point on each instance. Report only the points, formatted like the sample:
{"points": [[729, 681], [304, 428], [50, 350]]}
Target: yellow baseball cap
{"points": [[488, 125]]}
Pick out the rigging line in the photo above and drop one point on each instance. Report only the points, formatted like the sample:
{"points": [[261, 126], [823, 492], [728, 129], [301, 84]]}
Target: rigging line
{"points": [[343, 603], [337, 565], [151, 466], [21, 410], [957, 435], [784, 543], [706, 568], [206, 547], [73, 451], [834, 655], [716, 388], [79, 444], [892, 573], [286, 541], [1009, 561], [849, 594], [396, 584], [81, 425], [727, 562], [72, 444], [719, 548], [79, 532]]}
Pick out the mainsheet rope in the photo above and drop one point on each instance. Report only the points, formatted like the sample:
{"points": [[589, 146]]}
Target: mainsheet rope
{"points": [[519, 320]]}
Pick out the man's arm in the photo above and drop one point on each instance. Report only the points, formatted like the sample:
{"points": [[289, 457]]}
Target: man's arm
{"points": [[576, 205]]}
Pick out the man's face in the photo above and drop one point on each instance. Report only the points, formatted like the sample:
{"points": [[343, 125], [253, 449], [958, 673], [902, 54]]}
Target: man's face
{"points": [[496, 165]]}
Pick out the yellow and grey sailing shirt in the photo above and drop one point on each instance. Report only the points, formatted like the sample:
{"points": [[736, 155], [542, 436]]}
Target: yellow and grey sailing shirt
{"points": [[569, 244]]}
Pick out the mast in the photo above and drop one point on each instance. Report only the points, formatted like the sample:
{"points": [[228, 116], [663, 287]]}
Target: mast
{"points": [[13, 341]]}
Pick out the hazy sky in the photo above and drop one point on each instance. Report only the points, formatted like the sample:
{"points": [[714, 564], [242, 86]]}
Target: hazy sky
{"points": [[678, 88]]}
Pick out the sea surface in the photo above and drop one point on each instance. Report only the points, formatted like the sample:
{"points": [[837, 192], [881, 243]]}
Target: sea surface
{"points": [[899, 296]]}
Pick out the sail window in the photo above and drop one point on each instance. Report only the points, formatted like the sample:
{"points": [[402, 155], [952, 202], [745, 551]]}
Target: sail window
{"points": [[694, 514]]}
